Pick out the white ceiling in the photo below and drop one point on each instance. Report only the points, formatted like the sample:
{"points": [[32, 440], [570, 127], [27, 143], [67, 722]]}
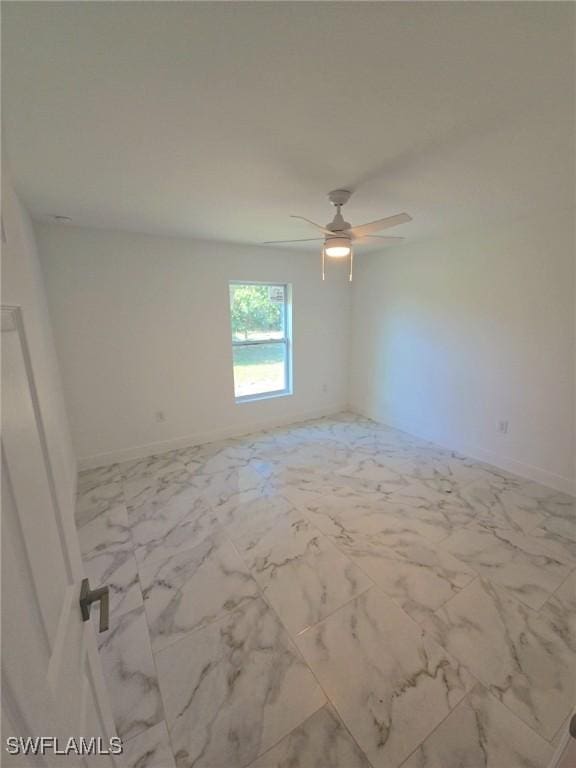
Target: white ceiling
{"points": [[218, 120]]}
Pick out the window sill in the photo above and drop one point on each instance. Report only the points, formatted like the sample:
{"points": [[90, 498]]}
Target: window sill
{"points": [[263, 396]]}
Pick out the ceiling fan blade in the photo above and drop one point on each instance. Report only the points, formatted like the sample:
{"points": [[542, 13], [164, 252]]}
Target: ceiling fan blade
{"points": [[380, 224], [377, 240], [318, 226], [383, 239], [303, 240]]}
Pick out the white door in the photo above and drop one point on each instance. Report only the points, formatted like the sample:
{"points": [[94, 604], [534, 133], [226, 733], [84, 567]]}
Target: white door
{"points": [[52, 683]]}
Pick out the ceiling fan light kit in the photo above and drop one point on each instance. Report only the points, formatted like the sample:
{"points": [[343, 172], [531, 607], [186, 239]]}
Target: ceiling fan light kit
{"points": [[338, 252], [339, 235], [337, 247]]}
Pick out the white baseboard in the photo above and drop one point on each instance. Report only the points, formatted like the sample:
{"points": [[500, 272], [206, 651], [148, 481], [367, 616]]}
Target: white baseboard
{"points": [[537, 474], [143, 451]]}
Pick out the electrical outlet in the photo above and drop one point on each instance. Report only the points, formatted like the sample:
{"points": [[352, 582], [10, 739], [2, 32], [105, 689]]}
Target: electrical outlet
{"points": [[160, 416], [503, 427]]}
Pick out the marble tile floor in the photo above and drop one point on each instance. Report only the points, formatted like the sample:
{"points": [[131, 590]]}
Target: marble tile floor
{"points": [[332, 594]]}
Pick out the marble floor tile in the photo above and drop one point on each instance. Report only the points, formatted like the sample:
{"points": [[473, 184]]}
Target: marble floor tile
{"points": [[94, 501], [159, 465], [158, 532], [149, 749], [254, 515], [560, 736], [118, 571], [522, 657], [465, 469], [565, 595], [320, 742], [234, 689], [227, 490], [89, 479], [332, 518], [460, 469], [481, 733], [303, 576], [307, 488], [561, 514], [554, 503], [198, 457], [558, 545], [130, 674], [443, 508], [369, 516], [560, 510], [231, 457], [392, 470], [106, 547], [414, 572], [363, 543], [560, 612], [108, 532], [414, 469], [266, 468], [562, 531], [334, 502], [149, 489], [192, 588], [390, 683], [314, 456], [526, 566], [504, 505]]}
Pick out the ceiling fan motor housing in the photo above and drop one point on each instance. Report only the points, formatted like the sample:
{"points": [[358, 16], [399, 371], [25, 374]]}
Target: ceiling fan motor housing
{"points": [[338, 224], [339, 196]]}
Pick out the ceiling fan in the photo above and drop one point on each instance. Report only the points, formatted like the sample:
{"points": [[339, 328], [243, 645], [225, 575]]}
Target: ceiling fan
{"points": [[339, 235]]}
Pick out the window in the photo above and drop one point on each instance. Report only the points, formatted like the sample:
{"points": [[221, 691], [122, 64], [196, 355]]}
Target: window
{"points": [[261, 326]]}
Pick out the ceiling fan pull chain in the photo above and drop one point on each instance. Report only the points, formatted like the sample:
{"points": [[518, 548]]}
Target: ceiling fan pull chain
{"points": [[323, 261], [351, 262]]}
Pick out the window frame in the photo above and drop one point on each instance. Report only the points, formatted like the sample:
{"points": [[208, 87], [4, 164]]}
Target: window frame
{"points": [[286, 340]]}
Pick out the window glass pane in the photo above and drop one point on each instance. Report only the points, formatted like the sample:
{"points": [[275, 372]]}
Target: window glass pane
{"points": [[258, 312], [259, 368]]}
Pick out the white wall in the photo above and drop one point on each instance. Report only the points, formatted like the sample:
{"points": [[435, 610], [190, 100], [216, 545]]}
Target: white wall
{"points": [[142, 325], [451, 336], [22, 286]]}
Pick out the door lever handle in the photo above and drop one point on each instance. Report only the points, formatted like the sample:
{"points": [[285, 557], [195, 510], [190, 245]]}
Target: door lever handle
{"points": [[89, 596]]}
